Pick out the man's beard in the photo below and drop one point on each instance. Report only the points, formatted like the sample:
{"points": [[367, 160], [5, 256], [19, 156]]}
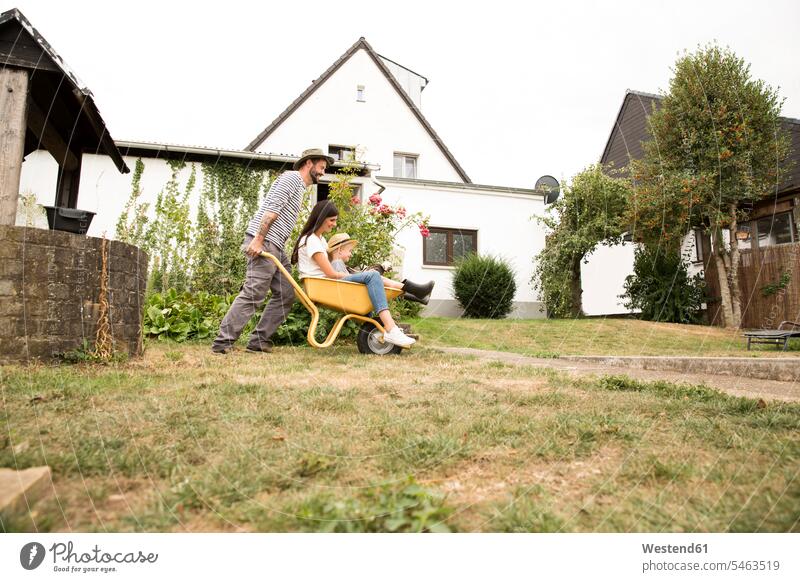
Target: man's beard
{"points": [[314, 176]]}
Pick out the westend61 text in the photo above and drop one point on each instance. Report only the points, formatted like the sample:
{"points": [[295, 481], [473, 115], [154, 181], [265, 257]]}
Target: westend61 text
{"points": [[65, 554], [668, 549]]}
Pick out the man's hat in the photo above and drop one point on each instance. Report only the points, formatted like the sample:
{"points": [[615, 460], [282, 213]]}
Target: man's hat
{"points": [[311, 154], [339, 240]]}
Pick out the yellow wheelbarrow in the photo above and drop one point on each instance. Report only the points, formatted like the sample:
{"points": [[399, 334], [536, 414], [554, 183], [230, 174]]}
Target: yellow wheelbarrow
{"points": [[346, 297]]}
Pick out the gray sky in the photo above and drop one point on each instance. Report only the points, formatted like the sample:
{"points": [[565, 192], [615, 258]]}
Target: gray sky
{"points": [[515, 91]]}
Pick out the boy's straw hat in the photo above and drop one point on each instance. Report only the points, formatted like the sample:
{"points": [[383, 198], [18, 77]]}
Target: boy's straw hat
{"points": [[340, 240]]}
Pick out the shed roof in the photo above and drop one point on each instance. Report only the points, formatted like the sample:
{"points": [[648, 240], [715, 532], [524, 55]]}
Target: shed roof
{"points": [[630, 131], [62, 101]]}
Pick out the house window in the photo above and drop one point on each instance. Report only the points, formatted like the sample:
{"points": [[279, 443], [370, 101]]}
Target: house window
{"points": [[744, 234], [360, 93], [405, 165], [775, 230], [342, 153], [445, 246], [698, 246], [322, 191]]}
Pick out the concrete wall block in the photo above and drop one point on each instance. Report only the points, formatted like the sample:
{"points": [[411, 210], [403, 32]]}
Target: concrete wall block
{"points": [[34, 290], [12, 349], [9, 289], [10, 250], [11, 268], [11, 307], [11, 327], [34, 307], [14, 233], [50, 287]]}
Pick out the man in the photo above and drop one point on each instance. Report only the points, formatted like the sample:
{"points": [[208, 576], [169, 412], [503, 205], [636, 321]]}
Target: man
{"points": [[268, 231]]}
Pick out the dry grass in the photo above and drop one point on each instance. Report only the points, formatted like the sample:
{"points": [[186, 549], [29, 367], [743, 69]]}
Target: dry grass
{"points": [[619, 337], [183, 440]]}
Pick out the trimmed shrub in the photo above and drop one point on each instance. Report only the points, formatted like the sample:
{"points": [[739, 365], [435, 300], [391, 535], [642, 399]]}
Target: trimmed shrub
{"points": [[484, 286]]}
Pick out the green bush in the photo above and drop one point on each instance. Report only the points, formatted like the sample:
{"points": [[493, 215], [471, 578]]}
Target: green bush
{"points": [[183, 315], [295, 329], [661, 288], [484, 286]]}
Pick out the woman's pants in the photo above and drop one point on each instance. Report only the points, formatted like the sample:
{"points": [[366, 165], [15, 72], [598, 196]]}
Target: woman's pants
{"points": [[374, 283]]}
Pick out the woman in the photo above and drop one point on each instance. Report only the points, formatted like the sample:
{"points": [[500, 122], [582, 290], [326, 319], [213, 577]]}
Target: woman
{"points": [[310, 253]]}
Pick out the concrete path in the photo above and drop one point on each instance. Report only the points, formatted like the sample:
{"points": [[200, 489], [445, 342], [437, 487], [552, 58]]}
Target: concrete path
{"points": [[19, 490], [716, 377]]}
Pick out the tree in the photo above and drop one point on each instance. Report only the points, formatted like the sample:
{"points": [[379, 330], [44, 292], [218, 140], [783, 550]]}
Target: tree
{"points": [[588, 213], [716, 148]]}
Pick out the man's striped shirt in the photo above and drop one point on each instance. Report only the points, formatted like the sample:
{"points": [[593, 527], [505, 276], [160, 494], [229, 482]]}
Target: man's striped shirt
{"points": [[284, 198]]}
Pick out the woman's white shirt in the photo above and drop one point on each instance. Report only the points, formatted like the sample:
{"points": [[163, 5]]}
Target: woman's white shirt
{"points": [[308, 247]]}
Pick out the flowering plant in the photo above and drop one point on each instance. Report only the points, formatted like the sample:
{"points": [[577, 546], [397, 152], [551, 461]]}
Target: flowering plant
{"points": [[374, 223]]}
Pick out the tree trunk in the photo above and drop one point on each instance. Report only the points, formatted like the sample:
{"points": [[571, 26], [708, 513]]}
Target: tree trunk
{"points": [[736, 299], [576, 292], [718, 249]]}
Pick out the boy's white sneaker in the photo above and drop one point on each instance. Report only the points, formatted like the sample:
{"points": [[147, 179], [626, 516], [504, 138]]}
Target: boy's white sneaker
{"points": [[398, 338]]}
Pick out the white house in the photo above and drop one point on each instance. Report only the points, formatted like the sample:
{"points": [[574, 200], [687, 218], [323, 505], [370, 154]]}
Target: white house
{"points": [[366, 103]]}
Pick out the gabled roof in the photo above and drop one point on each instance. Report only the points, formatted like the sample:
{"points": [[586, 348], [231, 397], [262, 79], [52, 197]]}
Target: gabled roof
{"points": [[377, 59], [40, 57], [631, 127], [643, 103]]}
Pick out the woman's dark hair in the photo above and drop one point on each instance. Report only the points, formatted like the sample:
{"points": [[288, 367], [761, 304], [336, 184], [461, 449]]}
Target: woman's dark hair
{"points": [[323, 210]]}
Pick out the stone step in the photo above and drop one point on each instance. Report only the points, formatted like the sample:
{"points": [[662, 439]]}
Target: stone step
{"points": [[19, 490], [768, 368]]}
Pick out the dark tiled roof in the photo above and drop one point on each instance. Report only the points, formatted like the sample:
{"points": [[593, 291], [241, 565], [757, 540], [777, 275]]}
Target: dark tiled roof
{"points": [[360, 44], [630, 131]]}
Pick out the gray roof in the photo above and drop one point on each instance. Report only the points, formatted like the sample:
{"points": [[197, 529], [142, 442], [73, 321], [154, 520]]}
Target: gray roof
{"points": [[52, 62], [360, 44], [630, 131]]}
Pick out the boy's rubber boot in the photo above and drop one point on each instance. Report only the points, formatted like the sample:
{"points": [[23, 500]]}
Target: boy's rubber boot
{"points": [[421, 293]]}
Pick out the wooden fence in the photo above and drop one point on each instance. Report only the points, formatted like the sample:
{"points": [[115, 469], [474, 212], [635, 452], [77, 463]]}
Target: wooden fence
{"points": [[769, 281]]}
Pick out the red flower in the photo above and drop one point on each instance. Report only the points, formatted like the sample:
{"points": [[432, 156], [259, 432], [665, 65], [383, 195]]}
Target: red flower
{"points": [[375, 199], [423, 230], [385, 209], [355, 200], [401, 212]]}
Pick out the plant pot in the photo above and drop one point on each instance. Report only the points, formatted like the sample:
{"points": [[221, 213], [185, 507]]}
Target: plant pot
{"points": [[68, 219]]}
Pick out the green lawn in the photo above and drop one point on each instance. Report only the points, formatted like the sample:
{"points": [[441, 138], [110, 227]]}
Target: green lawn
{"points": [[304, 440], [620, 337]]}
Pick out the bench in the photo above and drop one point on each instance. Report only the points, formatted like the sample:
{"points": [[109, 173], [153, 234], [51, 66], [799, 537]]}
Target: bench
{"points": [[773, 336]]}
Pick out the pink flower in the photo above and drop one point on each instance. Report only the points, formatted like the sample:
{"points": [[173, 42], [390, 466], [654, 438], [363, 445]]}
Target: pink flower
{"points": [[375, 200], [423, 230], [401, 212], [355, 200], [385, 209]]}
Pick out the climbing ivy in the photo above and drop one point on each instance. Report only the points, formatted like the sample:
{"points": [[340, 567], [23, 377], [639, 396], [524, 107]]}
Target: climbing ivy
{"points": [[132, 223], [169, 239], [230, 195]]}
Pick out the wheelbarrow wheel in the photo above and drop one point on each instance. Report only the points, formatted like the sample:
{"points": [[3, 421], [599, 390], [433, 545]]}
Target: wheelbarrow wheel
{"points": [[369, 342]]}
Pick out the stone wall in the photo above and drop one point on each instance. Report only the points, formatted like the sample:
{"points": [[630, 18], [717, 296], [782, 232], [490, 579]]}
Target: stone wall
{"points": [[50, 293]]}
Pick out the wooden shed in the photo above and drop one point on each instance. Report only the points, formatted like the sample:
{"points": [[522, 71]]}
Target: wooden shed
{"points": [[43, 105]]}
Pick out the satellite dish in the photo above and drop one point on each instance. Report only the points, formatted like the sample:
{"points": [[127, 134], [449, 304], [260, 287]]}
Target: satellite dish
{"points": [[549, 187]]}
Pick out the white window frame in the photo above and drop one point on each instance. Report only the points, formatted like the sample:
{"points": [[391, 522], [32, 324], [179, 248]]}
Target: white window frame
{"points": [[405, 156], [334, 150]]}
